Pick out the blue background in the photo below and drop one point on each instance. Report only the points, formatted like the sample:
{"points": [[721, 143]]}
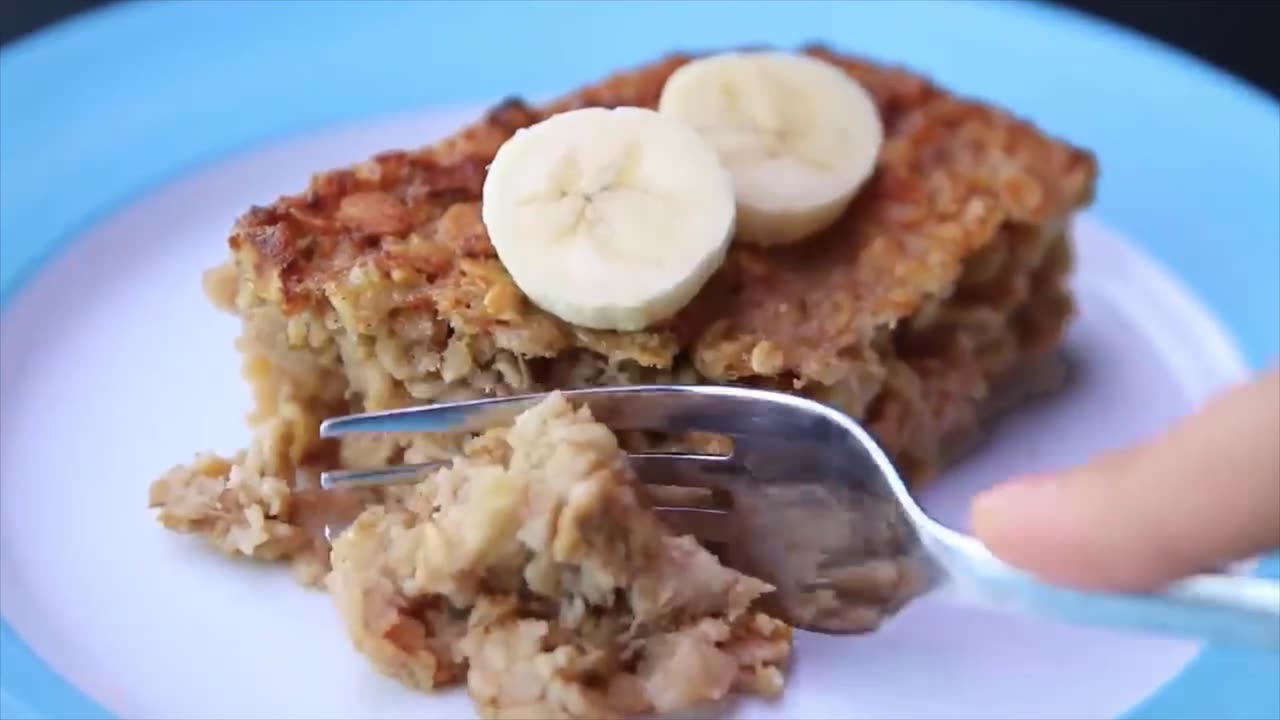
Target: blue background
{"points": [[99, 110]]}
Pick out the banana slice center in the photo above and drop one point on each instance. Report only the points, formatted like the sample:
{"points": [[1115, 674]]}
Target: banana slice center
{"points": [[609, 218], [798, 135], [597, 207], [764, 117]]}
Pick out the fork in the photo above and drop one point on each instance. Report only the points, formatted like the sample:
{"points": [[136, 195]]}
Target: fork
{"points": [[808, 501]]}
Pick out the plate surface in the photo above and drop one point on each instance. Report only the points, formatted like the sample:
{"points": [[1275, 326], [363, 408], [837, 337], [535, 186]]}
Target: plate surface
{"points": [[112, 366]]}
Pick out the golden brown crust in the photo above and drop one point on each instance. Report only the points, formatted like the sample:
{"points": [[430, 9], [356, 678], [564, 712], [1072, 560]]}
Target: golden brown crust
{"points": [[951, 175]]}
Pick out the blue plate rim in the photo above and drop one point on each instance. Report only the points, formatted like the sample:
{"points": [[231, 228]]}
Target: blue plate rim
{"points": [[51, 205]]}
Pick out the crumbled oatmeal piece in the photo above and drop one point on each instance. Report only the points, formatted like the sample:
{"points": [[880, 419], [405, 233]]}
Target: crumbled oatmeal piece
{"points": [[532, 567], [245, 505], [265, 503]]}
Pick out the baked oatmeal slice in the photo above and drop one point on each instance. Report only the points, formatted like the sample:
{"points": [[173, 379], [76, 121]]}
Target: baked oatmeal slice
{"points": [[944, 281], [531, 568]]}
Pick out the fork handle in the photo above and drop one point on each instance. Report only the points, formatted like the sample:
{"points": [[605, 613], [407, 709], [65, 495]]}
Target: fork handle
{"points": [[1217, 608]]}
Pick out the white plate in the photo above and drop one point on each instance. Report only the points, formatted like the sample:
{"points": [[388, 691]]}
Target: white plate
{"points": [[114, 367]]}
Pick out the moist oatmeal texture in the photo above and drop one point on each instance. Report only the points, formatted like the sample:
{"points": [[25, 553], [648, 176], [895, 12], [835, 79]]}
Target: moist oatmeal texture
{"points": [[531, 569], [377, 288]]}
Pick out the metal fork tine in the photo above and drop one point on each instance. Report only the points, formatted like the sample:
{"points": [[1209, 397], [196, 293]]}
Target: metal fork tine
{"points": [[678, 469], [373, 477], [469, 416], [707, 525], [707, 408], [686, 469]]}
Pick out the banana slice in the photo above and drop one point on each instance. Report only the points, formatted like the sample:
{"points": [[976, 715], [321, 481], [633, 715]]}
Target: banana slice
{"points": [[798, 135], [610, 219]]}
